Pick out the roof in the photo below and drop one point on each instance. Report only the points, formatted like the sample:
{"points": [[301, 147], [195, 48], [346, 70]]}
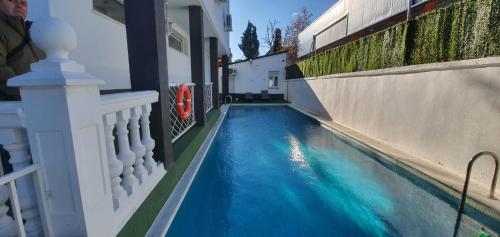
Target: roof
{"points": [[265, 56]]}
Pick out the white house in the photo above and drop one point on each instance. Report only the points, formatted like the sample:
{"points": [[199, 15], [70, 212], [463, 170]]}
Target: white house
{"points": [[347, 17], [265, 73]]}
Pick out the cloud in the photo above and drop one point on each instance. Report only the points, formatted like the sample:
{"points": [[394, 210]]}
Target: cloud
{"points": [[295, 14]]}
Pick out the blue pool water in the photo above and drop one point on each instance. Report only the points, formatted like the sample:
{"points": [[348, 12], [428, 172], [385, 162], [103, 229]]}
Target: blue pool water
{"points": [[271, 171]]}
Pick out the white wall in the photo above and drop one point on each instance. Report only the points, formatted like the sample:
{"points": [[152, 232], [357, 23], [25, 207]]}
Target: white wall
{"points": [[207, 60], [444, 113], [179, 64], [253, 77], [216, 12], [102, 41], [360, 14]]}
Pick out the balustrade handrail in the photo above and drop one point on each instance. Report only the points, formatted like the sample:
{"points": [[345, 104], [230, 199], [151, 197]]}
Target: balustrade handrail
{"points": [[11, 115], [18, 174], [120, 101]]}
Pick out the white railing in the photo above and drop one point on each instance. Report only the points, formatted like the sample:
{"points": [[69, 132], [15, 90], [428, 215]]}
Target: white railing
{"points": [[18, 186], [133, 171], [209, 105], [179, 126]]}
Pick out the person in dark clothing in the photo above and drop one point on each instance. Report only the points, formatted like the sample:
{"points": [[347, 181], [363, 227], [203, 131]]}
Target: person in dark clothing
{"points": [[17, 51]]}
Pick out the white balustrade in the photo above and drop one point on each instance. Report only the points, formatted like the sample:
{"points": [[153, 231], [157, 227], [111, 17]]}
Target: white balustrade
{"points": [[7, 224], [115, 165], [147, 140], [125, 154], [19, 159], [140, 171], [179, 126], [139, 149], [14, 140]]}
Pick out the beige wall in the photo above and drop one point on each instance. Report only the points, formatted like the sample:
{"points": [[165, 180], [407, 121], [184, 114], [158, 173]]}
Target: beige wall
{"points": [[445, 112]]}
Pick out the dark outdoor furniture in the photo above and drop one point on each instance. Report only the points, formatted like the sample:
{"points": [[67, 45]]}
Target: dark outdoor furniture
{"points": [[264, 95], [248, 96]]}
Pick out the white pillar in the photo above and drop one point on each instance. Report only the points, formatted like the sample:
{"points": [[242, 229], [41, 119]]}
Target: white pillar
{"points": [[65, 130]]}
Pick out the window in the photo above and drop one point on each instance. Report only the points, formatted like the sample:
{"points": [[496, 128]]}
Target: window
{"points": [[111, 8], [176, 42], [273, 79]]}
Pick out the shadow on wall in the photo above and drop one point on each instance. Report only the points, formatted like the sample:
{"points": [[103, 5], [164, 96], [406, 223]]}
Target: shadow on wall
{"points": [[301, 94]]}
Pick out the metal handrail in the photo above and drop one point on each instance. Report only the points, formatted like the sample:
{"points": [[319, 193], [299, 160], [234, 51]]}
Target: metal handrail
{"points": [[230, 99], [466, 185]]}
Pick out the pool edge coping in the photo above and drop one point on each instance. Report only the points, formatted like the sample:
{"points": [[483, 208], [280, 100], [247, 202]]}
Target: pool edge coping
{"points": [[167, 214]]}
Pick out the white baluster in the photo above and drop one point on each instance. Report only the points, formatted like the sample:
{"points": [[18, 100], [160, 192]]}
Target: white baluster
{"points": [[19, 159], [126, 155], [115, 165], [140, 150], [7, 224], [147, 141]]}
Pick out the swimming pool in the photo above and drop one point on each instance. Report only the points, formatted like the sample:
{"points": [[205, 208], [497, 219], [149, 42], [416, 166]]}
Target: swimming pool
{"points": [[272, 171]]}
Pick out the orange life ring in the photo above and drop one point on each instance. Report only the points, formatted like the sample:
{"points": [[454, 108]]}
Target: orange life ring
{"points": [[183, 110]]}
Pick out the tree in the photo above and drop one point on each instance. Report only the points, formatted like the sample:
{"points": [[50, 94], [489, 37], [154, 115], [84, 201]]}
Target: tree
{"points": [[278, 41], [273, 38], [269, 38], [291, 40], [249, 42]]}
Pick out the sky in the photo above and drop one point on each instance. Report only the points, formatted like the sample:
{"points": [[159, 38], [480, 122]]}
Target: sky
{"points": [[259, 12]]}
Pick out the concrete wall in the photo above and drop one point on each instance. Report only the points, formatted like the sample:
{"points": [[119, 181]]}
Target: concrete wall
{"points": [[254, 77], [444, 113]]}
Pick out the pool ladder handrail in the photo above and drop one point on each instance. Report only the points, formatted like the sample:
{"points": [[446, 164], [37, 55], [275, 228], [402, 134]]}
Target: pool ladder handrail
{"points": [[230, 99], [466, 185]]}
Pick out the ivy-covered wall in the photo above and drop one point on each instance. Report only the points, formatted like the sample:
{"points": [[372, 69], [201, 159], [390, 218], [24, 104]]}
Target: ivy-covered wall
{"points": [[464, 30]]}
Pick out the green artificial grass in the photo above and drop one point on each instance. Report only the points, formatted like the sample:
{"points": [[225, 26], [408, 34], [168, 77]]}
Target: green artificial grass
{"points": [[184, 151], [463, 30]]}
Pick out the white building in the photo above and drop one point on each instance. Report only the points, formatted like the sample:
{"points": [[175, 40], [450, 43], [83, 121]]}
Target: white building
{"points": [[102, 37], [347, 17], [265, 73]]}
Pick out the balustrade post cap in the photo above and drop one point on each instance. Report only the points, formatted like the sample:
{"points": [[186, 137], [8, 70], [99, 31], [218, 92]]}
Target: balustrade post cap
{"points": [[55, 37]]}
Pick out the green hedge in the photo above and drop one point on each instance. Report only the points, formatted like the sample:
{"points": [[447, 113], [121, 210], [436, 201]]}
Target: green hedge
{"points": [[464, 30]]}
